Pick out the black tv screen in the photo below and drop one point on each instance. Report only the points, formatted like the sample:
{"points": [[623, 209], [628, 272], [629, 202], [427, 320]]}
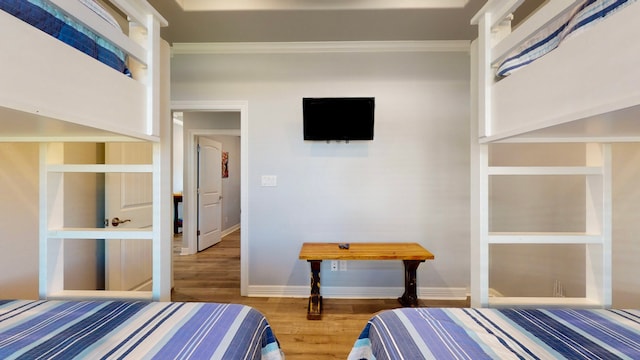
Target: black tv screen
{"points": [[344, 118]]}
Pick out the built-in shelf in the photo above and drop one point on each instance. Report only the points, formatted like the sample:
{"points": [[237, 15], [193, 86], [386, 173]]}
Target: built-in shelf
{"points": [[53, 233], [596, 237], [100, 168], [544, 238], [545, 170]]}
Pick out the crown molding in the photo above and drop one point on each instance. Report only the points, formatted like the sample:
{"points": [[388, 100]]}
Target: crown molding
{"points": [[253, 5], [320, 47]]}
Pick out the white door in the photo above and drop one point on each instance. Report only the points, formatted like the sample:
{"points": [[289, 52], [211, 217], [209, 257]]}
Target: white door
{"points": [[129, 199], [209, 192]]}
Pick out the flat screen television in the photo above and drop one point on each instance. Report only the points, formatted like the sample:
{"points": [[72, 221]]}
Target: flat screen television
{"points": [[340, 118]]}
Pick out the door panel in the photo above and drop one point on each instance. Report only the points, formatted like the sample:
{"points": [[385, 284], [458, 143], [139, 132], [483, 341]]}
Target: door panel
{"points": [[129, 197], [209, 192]]}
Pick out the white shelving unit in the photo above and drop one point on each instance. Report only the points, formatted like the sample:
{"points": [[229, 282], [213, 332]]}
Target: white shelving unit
{"points": [[53, 233], [596, 236]]}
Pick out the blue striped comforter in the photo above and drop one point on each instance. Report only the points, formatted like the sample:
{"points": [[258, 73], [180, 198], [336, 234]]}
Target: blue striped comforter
{"points": [[133, 330], [545, 40], [433, 333], [47, 17]]}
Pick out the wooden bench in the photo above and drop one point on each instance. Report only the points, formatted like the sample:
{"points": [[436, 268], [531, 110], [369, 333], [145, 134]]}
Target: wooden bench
{"points": [[411, 254]]}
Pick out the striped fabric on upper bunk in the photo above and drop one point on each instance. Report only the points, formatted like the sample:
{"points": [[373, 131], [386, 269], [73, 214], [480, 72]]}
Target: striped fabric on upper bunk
{"points": [[133, 330], [586, 13], [432, 333], [49, 18]]}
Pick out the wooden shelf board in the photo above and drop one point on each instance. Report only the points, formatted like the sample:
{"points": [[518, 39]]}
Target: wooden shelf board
{"points": [[544, 238], [100, 233], [100, 168], [544, 170], [543, 302]]}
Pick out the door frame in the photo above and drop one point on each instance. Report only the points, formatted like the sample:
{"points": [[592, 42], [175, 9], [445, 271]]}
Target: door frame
{"points": [[189, 226]]}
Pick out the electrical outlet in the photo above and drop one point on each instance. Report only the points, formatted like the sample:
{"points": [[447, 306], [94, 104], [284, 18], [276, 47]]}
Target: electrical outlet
{"points": [[342, 265], [269, 180], [334, 265]]}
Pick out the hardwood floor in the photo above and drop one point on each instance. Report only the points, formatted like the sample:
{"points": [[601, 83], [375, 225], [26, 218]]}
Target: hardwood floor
{"points": [[213, 275]]}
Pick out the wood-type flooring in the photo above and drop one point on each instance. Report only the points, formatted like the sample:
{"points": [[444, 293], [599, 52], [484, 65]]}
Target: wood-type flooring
{"points": [[213, 275]]}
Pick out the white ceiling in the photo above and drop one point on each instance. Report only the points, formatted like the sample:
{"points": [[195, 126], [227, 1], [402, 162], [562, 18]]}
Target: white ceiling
{"points": [[318, 20]]}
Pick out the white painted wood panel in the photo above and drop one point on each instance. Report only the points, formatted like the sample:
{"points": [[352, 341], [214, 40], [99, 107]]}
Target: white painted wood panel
{"points": [[591, 74], [86, 93]]}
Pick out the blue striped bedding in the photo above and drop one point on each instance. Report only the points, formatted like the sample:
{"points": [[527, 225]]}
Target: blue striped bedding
{"points": [[133, 330], [50, 19], [435, 333], [545, 40]]}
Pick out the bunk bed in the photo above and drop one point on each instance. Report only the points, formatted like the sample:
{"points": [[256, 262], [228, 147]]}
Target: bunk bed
{"points": [[52, 90], [133, 330], [434, 333], [576, 71], [81, 71], [567, 73], [71, 73]]}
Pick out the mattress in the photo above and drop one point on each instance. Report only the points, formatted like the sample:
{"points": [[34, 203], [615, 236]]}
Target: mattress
{"points": [[133, 330], [580, 17], [55, 22], [448, 333]]}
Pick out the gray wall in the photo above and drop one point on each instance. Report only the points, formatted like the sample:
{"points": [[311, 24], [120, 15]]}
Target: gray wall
{"points": [[626, 227], [19, 221], [231, 184], [410, 184]]}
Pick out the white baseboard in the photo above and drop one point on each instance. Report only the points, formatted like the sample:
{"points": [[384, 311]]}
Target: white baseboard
{"points": [[344, 292], [228, 231], [146, 286], [186, 251]]}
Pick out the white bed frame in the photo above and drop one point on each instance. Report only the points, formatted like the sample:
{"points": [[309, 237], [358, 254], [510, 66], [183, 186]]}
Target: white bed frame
{"points": [[90, 102], [584, 91]]}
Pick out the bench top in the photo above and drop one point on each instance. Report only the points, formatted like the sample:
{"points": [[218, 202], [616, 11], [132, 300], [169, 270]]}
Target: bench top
{"points": [[365, 251]]}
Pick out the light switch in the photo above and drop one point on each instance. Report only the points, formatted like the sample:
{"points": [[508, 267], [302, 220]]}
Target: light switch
{"points": [[269, 180]]}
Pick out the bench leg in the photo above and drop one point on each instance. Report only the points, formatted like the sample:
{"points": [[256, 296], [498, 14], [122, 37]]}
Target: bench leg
{"points": [[314, 309], [410, 296]]}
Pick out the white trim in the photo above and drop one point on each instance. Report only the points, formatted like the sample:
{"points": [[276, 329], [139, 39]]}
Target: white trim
{"points": [[101, 295], [260, 5], [189, 207], [350, 292], [230, 230], [320, 47], [495, 293]]}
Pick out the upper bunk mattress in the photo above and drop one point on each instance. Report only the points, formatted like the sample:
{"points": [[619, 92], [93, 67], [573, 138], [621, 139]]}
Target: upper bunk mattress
{"points": [[55, 22], [545, 40]]}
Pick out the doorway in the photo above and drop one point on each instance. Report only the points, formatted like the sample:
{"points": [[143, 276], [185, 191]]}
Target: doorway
{"points": [[189, 186], [209, 185]]}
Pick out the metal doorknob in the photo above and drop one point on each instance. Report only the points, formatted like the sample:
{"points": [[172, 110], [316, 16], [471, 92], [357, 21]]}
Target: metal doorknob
{"points": [[116, 221]]}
